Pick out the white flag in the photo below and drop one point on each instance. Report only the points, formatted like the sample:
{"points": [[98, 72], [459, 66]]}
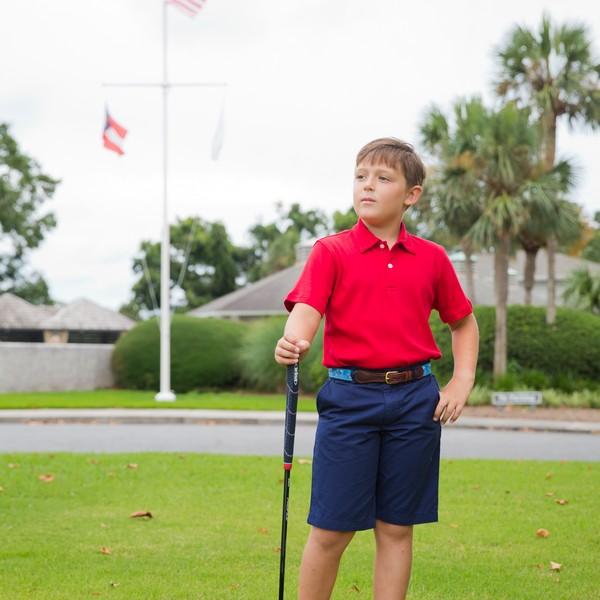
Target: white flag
{"points": [[217, 142]]}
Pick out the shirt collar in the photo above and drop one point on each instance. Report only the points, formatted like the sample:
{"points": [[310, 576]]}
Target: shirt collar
{"points": [[366, 239]]}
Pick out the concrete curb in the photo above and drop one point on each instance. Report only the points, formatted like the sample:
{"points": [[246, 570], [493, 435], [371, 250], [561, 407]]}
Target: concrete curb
{"points": [[114, 416]]}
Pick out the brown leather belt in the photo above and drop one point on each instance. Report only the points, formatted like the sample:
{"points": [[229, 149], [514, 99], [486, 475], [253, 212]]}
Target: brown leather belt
{"points": [[391, 376]]}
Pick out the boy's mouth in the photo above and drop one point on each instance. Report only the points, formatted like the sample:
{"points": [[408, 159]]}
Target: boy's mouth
{"points": [[367, 200]]}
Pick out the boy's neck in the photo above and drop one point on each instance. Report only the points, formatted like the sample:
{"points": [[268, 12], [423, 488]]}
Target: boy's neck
{"points": [[389, 233]]}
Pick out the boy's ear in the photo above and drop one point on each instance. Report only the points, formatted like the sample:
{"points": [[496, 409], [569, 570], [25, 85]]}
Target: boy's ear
{"points": [[413, 195]]}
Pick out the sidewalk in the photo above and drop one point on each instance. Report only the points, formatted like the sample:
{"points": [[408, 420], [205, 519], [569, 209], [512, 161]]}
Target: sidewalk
{"points": [[114, 416]]}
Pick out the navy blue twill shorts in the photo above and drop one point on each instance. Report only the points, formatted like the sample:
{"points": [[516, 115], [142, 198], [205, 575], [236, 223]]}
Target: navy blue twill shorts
{"points": [[376, 454]]}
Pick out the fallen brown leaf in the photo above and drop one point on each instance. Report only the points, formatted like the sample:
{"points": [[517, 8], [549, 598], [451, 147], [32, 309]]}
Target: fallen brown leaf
{"points": [[554, 566], [453, 525], [549, 475], [93, 461], [141, 513], [549, 494], [13, 465], [476, 487], [132, 466], [46, 478], [355, 588], [277, 549], [541, 532], [105, 550], [304, 461], [114, 584], [263, 530], [561, 501], [1, 489]]}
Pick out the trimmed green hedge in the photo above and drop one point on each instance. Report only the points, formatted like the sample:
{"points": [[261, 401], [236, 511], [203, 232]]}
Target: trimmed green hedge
{"points": [[565, 355], [217, 353], [204, 354]]}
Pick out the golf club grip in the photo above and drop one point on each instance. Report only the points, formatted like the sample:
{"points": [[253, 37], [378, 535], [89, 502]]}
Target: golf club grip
{"points": [[291, 406]]}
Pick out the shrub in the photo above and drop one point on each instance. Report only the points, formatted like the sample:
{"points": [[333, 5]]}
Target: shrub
{"points": [[259, 369], [204, 354]]}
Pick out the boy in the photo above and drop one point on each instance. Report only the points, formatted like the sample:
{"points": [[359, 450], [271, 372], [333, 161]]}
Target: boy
{"points": [[377, 445]]}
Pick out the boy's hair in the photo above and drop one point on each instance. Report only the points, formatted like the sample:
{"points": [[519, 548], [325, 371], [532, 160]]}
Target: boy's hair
{"points": [[393, 152]]}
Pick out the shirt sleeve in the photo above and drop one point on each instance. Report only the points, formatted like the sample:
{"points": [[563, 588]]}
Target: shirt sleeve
{"points": [[451, 302], [315, 284]]}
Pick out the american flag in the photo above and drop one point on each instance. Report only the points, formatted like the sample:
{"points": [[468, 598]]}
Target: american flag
{"points": [[190, 7], [113, 135]]}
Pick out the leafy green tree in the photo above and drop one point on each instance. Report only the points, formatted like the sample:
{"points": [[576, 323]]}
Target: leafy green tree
{"points": [[274, 244], [24, 189], [203, 267], [554, 73]]}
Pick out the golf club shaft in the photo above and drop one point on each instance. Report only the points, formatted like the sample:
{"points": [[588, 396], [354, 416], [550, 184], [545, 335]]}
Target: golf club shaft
{"points": [[291, 405]]}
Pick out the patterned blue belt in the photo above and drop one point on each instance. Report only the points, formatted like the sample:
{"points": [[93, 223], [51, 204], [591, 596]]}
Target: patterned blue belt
{"points": [[347, 374]]}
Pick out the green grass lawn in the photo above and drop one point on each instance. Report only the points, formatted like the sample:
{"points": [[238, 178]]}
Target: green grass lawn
{"points": [[216, 526], [234, 400]]}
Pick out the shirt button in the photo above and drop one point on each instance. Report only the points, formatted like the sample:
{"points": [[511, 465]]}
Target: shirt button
{"points": [[390, 265], [382, 245]]}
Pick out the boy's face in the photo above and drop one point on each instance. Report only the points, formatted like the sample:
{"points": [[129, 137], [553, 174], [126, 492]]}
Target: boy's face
{"points": [[381, 195]]}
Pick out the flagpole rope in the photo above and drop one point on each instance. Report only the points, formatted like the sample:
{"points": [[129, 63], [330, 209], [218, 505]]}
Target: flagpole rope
{"points": [[187, 255], [150, 286]]}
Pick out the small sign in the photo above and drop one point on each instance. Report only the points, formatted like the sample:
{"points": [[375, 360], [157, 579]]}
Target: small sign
{"points": [[509, 398]]}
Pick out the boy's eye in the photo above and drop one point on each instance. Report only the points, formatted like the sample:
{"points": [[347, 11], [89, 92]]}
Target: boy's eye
{"points": [[384, 178]]}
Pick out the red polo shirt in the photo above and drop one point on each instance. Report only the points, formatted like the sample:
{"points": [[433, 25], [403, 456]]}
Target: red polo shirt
{"points": [[377, 301]]}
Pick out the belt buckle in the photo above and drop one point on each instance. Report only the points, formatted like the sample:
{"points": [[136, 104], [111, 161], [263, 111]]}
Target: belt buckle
{"points": [[386, 376]]}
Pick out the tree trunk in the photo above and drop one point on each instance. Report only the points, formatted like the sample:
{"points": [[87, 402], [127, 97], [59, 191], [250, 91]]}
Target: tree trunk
{"points": [[551, 245], [551, 305], [466, 248], [529, 273], [501, 293]]}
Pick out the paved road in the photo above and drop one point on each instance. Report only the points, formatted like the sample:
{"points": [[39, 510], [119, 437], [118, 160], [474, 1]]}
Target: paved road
{"points": [[268, 440]]}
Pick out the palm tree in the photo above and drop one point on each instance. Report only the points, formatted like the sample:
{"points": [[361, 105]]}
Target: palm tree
{"points": [[496, 154], [583, 290], [453, 198], [553, 72], [563, 221]]}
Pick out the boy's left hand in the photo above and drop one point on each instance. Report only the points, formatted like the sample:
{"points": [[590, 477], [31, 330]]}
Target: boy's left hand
{"points": [[453, 398]]}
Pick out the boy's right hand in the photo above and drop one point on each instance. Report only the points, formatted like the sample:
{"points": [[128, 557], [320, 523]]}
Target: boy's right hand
{"points": [[289, 350]]}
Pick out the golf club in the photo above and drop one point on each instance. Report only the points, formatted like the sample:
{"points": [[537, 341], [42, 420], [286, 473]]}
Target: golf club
{"points": [[291, 404]]}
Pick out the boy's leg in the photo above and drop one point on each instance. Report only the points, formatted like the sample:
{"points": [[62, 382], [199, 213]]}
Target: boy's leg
{"points": [[320, 562], [393, 560]]}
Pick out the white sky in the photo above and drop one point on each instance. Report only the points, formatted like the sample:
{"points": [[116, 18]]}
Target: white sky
{"points": [[309, 82]]}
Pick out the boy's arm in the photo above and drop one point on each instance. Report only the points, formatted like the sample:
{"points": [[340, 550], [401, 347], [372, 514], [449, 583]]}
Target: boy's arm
{"points": [[465, 348], [300, 329]]}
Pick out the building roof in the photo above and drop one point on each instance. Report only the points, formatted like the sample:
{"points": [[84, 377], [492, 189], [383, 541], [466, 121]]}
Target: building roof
{"points": [[83, 314], [16, 313]]}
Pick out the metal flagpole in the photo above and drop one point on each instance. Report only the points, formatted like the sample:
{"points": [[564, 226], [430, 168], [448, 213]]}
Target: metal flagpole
{"points": [[165, 394]]}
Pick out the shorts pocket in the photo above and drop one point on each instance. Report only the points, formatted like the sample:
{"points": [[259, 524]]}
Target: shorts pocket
{"points": [[320, 395]]}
